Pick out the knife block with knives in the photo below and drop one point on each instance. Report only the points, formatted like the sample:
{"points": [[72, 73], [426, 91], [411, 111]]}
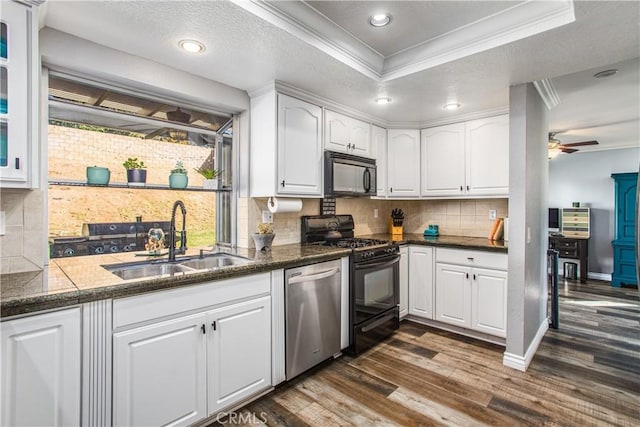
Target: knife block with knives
{"points": [[395, 222]]}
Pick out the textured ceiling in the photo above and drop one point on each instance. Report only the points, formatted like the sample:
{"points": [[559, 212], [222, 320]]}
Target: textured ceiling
{"points": [[246, 52], [413, 21]]}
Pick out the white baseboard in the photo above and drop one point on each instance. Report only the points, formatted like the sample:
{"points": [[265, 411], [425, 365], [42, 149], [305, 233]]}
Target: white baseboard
{"points": [[522, 363], [599, 276]]}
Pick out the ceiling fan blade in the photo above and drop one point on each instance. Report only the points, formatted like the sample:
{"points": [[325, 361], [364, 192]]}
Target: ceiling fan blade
{"points": [[155, 133], [568, 150], [580, 144]]}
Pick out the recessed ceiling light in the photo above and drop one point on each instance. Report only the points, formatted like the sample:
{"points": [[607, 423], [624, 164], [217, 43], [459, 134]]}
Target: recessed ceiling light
{"points": [[380, 20], [451, 106], [605, 73], [383, 100], [192, 46]]}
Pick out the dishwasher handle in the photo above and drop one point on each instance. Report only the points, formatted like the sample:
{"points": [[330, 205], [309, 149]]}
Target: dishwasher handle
{"points": [[308, 277]]}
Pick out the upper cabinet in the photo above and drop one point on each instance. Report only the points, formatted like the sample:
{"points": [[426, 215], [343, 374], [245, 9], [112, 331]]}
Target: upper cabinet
{"points": [[346, 135], [443, 160], [487, 147], [19, 76], [403, 163], [286, 147], [379, 151], [466, 159]]}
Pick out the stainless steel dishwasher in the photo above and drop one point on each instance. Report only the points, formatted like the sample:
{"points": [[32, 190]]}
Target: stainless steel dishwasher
{"points": [[312, 315]]}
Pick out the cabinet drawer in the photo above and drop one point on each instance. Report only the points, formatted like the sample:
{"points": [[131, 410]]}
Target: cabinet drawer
{"points": [[564, 253], [472, 258], [567, 244], [165, 303]]}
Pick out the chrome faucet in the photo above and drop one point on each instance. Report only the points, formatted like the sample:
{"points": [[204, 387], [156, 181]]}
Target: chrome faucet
{"points": [[173, 231]]}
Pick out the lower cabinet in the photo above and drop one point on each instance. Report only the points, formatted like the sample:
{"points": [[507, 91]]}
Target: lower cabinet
{"points": [[239, 352], [404, 281], [421, 281], [41, 365], [472, 297], [181, 370]]}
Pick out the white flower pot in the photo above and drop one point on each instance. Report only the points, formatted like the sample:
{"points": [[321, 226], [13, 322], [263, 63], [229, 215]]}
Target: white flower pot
{"points": [[210, 184]]}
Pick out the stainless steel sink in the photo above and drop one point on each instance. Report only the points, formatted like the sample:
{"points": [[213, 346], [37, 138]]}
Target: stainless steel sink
{"points": [[215, 261], [141, 270]]}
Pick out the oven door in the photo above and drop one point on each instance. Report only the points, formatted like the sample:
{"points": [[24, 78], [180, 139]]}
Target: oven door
{"points": [[376, 287]]}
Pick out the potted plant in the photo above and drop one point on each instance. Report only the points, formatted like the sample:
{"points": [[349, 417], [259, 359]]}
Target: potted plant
{"points": [[97, 175], [264, 237], [136, 172], [211, 177], [178, 177]]}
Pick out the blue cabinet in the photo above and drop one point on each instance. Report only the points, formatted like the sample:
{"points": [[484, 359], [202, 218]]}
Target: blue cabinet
{"points": [[626, 216]]}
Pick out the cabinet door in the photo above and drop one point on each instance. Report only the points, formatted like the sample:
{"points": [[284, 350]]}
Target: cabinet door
{"points": [[379, 143], [159, 373], [404, 282], [299, 147], [239, 352], [453, 299], [403, 163], [41, 370], [443, 160], [336, 131], [487, 147], [489, 301], [421, 281], [360, 138], [14, 94]]}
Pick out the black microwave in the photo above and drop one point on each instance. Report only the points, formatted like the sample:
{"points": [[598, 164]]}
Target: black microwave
{"points": [[346, 175]]}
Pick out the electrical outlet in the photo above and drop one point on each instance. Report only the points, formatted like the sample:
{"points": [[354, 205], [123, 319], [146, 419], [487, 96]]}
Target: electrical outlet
{"points": [[493, 214], [267, 217], [375, 213]]}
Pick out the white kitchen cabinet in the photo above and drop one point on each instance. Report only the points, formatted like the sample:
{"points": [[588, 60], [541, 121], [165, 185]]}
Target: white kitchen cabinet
{"points": [[489, 301], [466, 159], [443, 160], [19, 83], [286, 147], [239, 352], [421, 281], [41, 365], [487, 158], [404, 281], [347, 135], [379, 148], [160, 373], [471, 290], [403, 163]]}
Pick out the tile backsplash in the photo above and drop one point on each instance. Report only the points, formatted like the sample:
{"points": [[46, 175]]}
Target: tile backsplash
{"points": [[454, 217]]}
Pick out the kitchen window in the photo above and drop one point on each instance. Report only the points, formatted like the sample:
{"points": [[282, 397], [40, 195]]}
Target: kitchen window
{"points": [[95, 124]]}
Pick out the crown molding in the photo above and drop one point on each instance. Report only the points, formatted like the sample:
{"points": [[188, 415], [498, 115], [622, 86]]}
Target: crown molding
{"points": [[31, 2], [509, 25], [547, 93]]}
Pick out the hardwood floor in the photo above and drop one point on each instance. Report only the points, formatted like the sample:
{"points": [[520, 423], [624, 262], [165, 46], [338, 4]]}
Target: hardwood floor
{"points": [[586, 373]]}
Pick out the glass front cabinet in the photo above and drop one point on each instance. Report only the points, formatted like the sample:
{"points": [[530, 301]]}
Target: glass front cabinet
{"points": [[19, 78]]}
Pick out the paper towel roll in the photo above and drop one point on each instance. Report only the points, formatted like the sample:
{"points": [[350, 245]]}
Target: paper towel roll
{"points": [[284, 205]]}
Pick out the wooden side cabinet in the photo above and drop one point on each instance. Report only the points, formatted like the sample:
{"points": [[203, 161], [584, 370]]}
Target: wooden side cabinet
{"points": [[624, 246], [573, 248]]}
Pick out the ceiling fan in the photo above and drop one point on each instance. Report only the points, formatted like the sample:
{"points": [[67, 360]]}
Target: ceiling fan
{"points": [[555, 146], [178, 116]]}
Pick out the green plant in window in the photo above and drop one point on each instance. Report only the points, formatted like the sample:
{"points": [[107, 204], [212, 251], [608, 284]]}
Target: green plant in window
{"points": [[208, 173], [179, 168], [133, 163]]}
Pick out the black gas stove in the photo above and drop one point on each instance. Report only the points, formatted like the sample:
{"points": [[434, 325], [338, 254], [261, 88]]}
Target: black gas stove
{"points": [[373, 277]]}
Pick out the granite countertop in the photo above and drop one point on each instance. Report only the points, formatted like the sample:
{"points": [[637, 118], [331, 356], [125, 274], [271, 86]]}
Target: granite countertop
{"points": [[76, 280], [456, 242]]}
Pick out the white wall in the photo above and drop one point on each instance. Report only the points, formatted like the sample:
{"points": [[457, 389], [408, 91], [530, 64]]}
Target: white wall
{"points": [[527, 293], [586, 177]]}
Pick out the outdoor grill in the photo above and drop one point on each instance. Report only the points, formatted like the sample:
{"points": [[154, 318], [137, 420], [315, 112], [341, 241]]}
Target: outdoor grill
{"points": [[104, 238]]}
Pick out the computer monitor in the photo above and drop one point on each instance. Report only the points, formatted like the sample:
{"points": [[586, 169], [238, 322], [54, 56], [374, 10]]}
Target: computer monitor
{"points": [[554, 220]]}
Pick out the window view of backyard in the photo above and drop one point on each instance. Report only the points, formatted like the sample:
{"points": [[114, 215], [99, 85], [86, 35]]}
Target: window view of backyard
{"points": [[79, 139]]}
